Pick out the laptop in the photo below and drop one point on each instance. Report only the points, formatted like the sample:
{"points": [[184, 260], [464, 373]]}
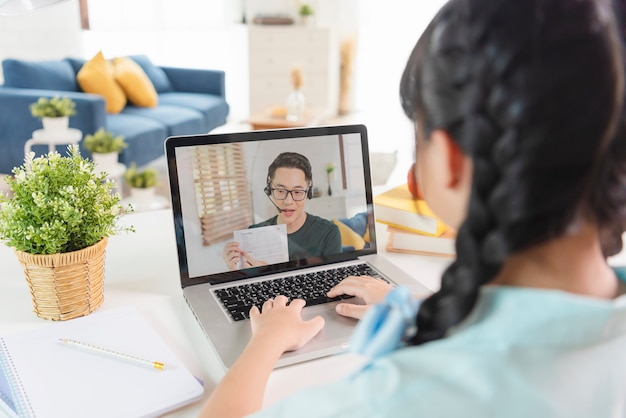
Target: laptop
{"points": [[218, 185]]}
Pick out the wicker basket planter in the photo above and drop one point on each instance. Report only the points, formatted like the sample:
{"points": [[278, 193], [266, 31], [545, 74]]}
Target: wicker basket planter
{"points": [[67, 285]]}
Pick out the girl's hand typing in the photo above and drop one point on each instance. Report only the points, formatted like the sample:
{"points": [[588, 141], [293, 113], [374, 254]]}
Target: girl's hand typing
{"points": [[371, 290], [281, 324]]}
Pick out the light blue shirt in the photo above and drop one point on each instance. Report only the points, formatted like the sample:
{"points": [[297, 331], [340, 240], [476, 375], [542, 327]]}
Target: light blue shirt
{"points": [[521, 353]]}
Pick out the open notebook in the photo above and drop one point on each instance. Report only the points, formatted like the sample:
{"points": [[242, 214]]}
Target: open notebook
{"points": [[42, 377], [221, 194]]}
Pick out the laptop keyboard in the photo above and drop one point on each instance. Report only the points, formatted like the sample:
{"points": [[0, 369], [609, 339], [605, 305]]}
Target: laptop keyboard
{"points": [[312, 287]]}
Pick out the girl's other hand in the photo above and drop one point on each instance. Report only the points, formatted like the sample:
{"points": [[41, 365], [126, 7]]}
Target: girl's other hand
{"points": [[371, 290]]}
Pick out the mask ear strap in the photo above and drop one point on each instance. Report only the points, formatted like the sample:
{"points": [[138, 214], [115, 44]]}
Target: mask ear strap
{"points": [[386, 325]]}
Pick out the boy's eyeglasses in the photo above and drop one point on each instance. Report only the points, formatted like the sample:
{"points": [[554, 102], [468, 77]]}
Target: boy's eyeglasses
{"points": [[297, 195]]}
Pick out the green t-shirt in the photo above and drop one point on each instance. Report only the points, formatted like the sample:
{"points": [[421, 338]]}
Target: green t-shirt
{"points": [[318, 236]]}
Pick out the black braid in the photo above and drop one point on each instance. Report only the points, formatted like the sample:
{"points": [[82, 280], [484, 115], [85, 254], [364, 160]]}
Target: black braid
{"points": [[609, 202], [504, 78]]}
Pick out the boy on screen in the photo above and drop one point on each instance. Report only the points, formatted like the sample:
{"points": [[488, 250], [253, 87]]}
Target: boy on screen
{"points": [[289, 185]]}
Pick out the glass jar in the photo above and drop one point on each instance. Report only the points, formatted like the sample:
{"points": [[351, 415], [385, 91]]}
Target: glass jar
{"points": [[295, 105]]}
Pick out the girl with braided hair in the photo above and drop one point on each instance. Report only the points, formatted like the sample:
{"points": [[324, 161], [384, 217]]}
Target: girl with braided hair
{"points": [[521, 146]]}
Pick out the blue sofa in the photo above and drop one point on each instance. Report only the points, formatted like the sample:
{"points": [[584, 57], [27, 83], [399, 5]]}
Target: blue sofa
{"points": [[190, 101]]}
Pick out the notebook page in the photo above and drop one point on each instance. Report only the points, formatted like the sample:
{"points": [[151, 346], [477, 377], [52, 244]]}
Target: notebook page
{"points": [[6, 401], [53, 379], [265, 243]]}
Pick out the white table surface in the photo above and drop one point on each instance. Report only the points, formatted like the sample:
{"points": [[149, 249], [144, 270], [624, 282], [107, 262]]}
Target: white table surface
{"points": [[142, 270], [62, 136], [53, 138]]}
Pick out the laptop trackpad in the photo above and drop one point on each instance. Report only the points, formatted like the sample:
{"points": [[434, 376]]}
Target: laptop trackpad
{"points": [[332, 339]]}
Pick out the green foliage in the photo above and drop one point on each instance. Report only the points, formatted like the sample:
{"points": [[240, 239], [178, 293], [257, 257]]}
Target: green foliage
{"points": [[142, 179], [305, 10], [58, 204], [103, 141], [53, 108]]}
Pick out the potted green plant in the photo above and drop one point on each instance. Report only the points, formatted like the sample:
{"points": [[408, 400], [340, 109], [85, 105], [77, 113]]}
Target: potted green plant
{"points": [[142, 183], [105, 148], [58, 216], [54, 112], [141, 178], [306, 12]]}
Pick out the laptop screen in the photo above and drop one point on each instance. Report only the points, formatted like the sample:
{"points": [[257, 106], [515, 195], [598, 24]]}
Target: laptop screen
{"points": [[254, 203]]}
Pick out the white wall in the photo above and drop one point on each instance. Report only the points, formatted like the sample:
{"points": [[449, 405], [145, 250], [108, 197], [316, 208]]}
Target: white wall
{"points": [[387, 33], [46, 34], [386, 30]]}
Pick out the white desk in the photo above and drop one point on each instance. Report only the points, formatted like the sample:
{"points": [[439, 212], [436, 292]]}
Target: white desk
{"points": [[142, 270]]}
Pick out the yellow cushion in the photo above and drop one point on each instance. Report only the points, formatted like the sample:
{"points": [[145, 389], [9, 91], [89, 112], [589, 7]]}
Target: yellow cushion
{"points": [[135, 82], [349, 237], [96, 77]]}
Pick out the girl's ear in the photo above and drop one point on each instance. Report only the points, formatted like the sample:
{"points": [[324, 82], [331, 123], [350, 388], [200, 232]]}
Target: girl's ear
{"points": [[455, 165], [447, 177]]}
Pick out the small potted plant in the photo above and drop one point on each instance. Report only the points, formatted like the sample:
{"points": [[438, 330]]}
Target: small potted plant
{"points": [[54, 112], [306, 12], [142, 183], [58, 216], [105, 148]]}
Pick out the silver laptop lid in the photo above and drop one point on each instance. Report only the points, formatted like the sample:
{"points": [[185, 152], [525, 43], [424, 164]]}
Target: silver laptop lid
{"points": [[218, 186]]}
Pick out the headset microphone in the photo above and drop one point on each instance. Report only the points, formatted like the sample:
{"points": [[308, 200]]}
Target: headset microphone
{"points": [[275, 205]]}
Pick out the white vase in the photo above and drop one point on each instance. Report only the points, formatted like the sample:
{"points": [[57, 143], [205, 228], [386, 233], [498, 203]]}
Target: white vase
{"points": [[295, 105], [142, 198], [307, 21], [105, 161], [56, 124]]}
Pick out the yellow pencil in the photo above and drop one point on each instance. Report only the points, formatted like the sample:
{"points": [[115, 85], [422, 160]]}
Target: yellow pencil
{"points": [[112, 353]]}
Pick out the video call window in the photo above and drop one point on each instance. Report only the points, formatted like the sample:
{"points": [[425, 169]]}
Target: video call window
{"points": [[224, 192]]}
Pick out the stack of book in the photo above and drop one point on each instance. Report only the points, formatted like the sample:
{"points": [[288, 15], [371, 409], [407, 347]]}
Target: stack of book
{"points": [[412, 226]]}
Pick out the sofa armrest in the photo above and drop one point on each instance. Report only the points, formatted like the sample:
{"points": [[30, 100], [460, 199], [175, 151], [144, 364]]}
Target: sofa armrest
{"points": [[196, 80], [17, 124]]}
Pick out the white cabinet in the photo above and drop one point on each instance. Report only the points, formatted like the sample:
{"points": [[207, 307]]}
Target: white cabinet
{"points": [[275, 50]]}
